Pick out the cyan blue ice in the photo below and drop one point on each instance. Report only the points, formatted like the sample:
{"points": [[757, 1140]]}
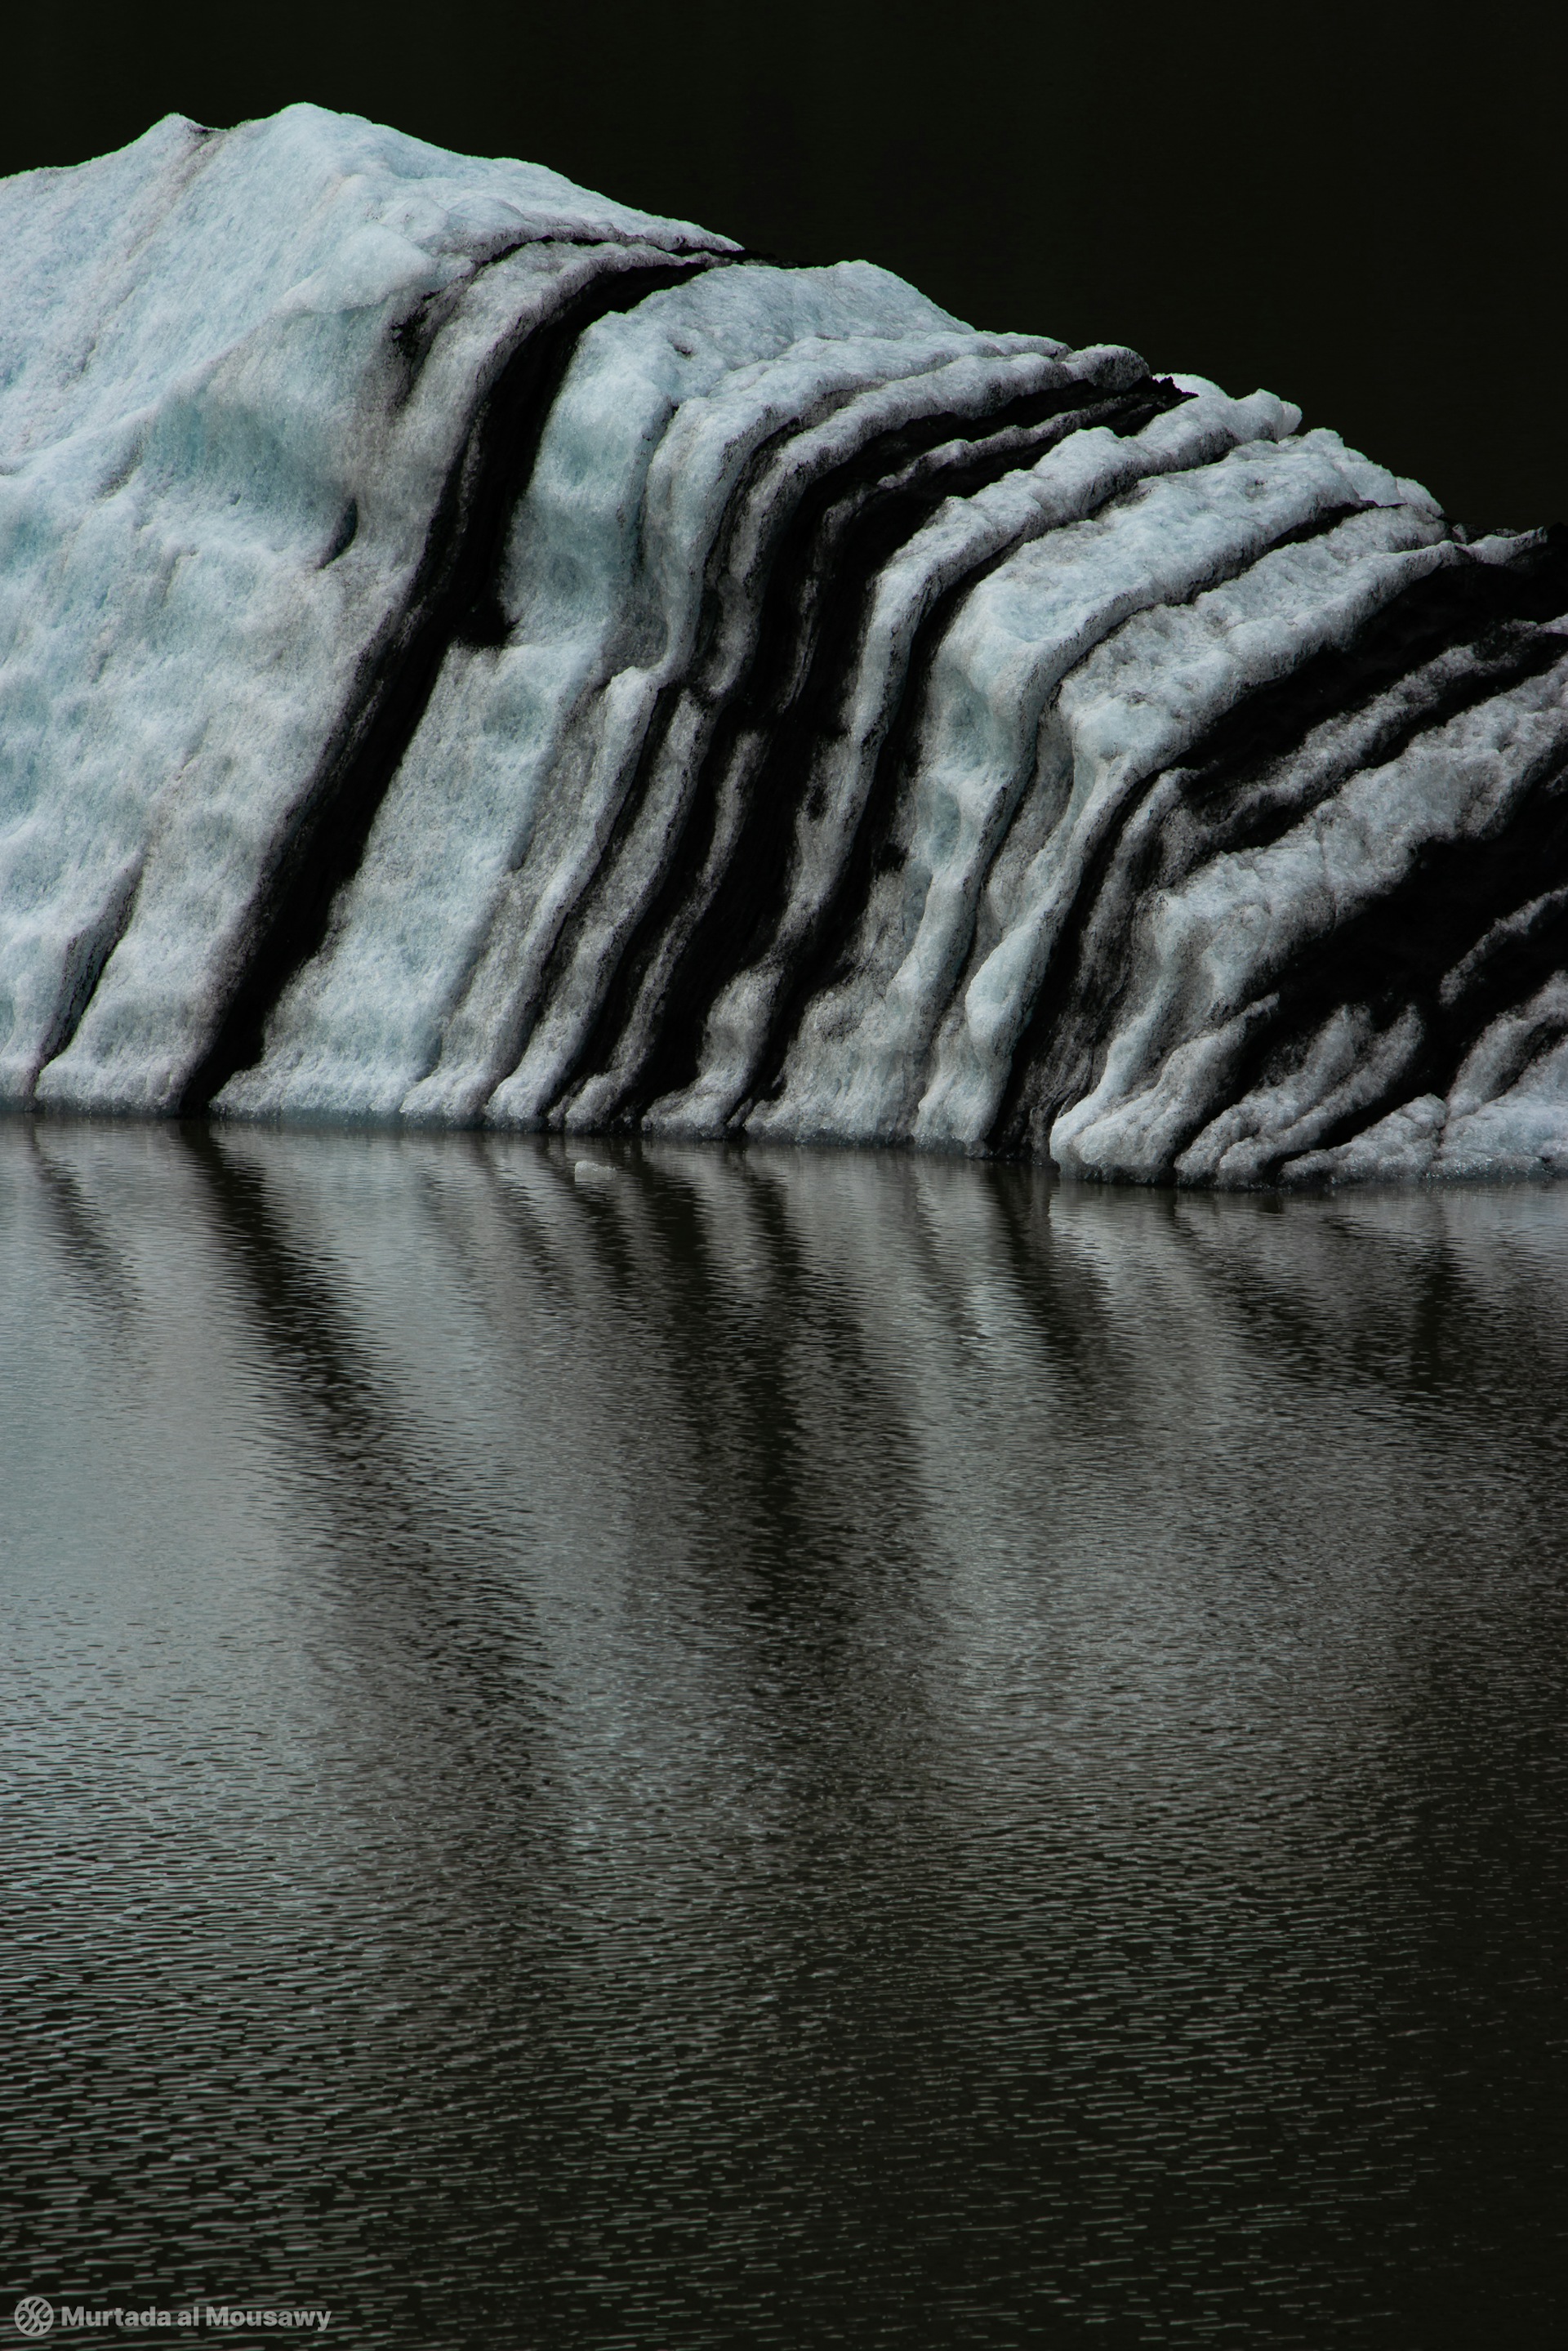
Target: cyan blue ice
{"points": [[474, 654]]}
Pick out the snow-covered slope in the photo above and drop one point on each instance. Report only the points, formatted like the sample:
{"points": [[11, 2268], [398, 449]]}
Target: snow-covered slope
{"points": [[474, 653]]}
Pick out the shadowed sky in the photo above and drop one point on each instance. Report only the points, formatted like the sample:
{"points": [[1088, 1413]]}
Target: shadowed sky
{"points": [[1363, 207]]}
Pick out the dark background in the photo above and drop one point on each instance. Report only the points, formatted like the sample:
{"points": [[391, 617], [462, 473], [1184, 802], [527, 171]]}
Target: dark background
{"points": [[1361, 206]]}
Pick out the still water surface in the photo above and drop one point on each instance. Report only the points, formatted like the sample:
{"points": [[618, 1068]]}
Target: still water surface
{"points": [[693, 1750]]}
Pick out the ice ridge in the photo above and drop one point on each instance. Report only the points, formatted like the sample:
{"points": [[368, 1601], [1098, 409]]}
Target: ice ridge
{"points": [[474, 653]]}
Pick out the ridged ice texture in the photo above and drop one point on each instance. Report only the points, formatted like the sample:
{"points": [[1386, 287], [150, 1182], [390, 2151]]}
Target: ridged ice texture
{"points": [[472, 654]]}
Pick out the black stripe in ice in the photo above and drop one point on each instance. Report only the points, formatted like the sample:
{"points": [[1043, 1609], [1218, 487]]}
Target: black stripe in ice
{"points": [[1394, 957], [453, 598], [1232, 791], [827, 958], [848, 526]]}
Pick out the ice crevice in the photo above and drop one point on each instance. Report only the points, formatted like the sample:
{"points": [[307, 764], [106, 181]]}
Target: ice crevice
{"points": [[474, 653]]}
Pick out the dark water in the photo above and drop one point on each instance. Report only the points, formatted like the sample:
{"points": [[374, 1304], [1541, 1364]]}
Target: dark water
{"points": [[782, 1751]]}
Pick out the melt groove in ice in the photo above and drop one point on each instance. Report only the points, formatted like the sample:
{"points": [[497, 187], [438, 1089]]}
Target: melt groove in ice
{"points": [[473, 654]]}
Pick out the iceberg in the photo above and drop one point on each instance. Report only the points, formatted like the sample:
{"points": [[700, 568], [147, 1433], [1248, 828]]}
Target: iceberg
{"points": [[475, 654]]}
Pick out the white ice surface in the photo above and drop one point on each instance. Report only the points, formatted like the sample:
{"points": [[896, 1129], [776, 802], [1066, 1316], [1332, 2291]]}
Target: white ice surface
{"points": [[504, 807], [844, 1080], [237, 374], [196, 384], [1210, 955], [1141, 696]]}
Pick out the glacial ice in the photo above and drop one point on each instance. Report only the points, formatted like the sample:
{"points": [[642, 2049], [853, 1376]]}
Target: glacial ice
{"points": [[474, 654]]}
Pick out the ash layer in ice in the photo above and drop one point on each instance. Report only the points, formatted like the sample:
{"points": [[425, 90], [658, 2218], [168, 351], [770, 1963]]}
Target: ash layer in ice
{"points": [[472, 654]]}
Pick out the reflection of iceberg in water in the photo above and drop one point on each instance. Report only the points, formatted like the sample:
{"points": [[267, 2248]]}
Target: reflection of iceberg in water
{"points": [[753, 1715], [473, 654]]}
